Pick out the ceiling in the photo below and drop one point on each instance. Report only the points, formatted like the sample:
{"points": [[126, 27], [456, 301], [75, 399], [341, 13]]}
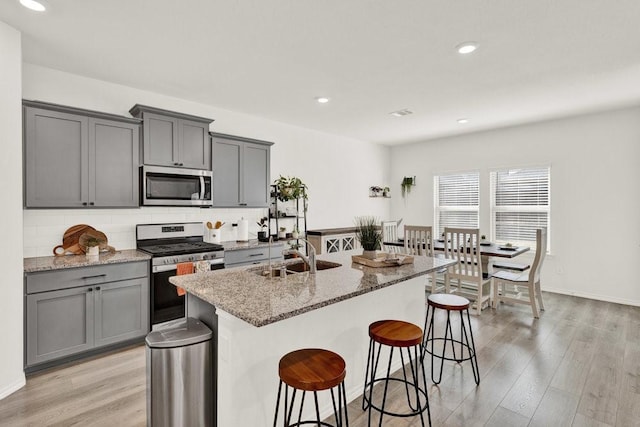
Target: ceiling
{"points": [[271, 58]]}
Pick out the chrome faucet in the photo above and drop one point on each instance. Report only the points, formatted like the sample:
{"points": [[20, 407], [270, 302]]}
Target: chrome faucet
{"points": [[310, 261]]}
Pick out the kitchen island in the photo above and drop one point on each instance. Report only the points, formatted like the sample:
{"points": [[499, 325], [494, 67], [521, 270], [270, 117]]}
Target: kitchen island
{"points": [[256, 320]]}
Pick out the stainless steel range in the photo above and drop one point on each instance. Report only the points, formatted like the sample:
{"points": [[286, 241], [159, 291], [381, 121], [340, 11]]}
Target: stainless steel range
{"points": [[170, 245]]}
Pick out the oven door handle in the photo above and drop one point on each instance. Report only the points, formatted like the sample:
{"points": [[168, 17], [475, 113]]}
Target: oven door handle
{"points": [[163, 268], [202, 188]]}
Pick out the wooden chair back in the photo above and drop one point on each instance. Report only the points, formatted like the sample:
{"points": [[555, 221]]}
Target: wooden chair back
{"points": [[541, 251], [463, 245], [418, 240]]}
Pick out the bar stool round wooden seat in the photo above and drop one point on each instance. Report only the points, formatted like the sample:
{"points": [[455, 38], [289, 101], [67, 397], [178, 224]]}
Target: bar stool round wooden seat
{"points": [[313, 370], [405, 337], [466, 346]]}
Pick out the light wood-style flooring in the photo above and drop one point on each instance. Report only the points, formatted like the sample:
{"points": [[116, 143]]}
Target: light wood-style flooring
{"points": [[578, 365]]}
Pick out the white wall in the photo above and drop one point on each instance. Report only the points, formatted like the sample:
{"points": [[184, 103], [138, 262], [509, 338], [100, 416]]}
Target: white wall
{"points": [[338, 171], [11, 375], [595, 193]]}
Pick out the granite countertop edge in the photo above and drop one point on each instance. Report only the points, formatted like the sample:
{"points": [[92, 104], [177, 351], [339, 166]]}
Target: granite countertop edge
{"points": [[52, 263], [199, 284]]}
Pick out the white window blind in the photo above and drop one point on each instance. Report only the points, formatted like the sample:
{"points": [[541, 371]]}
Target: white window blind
{"points": [[456, 201], [519, 205]]}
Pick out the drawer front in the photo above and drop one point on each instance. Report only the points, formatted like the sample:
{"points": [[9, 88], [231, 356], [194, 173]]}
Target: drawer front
{"points": [[251, 256], [83, 276]]}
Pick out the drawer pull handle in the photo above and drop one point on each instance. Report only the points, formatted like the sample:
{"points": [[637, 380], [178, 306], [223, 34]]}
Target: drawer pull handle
{"points": [[97, 288], [90, 289], [93, 277], [256, 255]]}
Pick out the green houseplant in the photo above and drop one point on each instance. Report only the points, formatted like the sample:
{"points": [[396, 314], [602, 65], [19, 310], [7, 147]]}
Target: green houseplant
{"points": [[407, 183], [290, 188], [369, 235]]}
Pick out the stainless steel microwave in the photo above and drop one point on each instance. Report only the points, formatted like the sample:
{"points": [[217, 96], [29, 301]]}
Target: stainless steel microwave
{"points": [[166, 186]]}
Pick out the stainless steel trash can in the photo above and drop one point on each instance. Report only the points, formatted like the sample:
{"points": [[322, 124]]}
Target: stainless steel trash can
{"points": [[179, 376]]}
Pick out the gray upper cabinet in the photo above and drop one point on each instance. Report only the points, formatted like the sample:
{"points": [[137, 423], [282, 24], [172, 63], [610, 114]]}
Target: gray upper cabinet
{"points": [[79, 158], [241, 171], [174, 139]]}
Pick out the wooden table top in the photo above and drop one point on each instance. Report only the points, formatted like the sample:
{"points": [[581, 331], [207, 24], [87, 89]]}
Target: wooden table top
{"points": [[485, 250]]}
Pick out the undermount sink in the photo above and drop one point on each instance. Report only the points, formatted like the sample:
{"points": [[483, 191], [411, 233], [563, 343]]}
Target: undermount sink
{"points": [[301, 266], [296, 267]]}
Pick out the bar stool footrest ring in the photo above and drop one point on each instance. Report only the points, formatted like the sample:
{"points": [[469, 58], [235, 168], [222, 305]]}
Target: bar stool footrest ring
{"points": [[423, 394]]}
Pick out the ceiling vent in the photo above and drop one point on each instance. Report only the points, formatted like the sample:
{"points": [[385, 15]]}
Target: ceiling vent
{"points": [[401, 113]]}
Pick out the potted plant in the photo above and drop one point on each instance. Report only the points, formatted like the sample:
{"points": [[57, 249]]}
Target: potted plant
{"points": [[262, 234], [282, 233], [386, 192], [369, 235], [290, 188], [93, 246], [407, 183], [296, 232]]}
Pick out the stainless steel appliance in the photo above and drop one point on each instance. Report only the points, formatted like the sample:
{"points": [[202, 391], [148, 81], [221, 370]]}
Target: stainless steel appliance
{"points": [[170, 245], [165, 186]]}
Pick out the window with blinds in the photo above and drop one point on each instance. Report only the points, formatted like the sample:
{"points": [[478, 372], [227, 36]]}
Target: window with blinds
{"points": [[456, 202], [519, 205]]}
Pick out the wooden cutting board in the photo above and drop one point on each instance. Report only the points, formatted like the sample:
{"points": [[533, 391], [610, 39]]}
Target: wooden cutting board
{"points": [[71, 239], [382, 261]]}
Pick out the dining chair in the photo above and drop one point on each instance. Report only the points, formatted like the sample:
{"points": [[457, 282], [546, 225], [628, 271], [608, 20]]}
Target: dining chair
{"points": [[418, 241], [390, 234], [463, 246], [507, 285]]}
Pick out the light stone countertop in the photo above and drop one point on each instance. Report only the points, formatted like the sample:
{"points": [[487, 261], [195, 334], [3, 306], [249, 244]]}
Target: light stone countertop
{"points": [[232, 245], [44, 263], [259, 301]]}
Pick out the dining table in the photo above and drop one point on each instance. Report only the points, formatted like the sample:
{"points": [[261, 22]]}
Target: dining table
{"points": [[488, 250]]}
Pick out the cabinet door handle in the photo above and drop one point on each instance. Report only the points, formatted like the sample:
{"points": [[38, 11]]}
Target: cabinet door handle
{"points": [[256, 255], [181, 164], [84, 203], [90, 290], [242, 204], [91, 203], [93, 277], [97, 288]]}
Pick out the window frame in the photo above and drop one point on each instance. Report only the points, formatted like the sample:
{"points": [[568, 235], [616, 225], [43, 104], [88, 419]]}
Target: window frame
{"points": [[493, 209], [462, 208]]}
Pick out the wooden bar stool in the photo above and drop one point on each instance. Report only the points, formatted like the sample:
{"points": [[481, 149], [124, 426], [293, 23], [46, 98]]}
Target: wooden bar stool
{"points": [[466, 349], [403, 336], [312, 369]]}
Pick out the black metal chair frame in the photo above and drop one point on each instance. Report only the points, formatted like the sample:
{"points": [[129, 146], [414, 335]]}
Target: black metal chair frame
{"points": [[288, 408], [464, 342], [370, 380]]}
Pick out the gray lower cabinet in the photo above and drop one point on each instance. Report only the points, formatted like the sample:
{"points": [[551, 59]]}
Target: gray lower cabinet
{"points": [[62, 319], [241, 171], [121, 311], [59, 324], [174, 139], [77, 158], [240, 257]]}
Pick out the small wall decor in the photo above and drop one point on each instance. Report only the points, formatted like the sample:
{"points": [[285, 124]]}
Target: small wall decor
{"points": [[407, 183], [376, 191]]}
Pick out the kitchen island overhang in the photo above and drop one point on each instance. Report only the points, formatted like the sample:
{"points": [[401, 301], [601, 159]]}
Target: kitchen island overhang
{"points": [[256, 320]]}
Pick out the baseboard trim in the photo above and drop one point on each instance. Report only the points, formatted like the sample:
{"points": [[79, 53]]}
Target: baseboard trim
{"points": [[597, 297], [11, 388]]}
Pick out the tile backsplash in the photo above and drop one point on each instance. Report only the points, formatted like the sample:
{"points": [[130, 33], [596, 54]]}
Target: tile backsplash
{"points": [[44, 228]]}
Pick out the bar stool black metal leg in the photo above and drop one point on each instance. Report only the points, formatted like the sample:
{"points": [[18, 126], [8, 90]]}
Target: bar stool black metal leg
{"points": [[374, 368], [315, 398], [369, 364], [472, 350], [275, 418], [346, 412], [453, 346], [424, 379], [404, 374], [447, 329], [416, 382], [386, 386]]}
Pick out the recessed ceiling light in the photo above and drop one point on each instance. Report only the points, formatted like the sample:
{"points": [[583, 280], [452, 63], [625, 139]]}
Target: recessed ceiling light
{"points": [[401, 113], [33, 5], [322, 99], [463, 120], [466, 47]]}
